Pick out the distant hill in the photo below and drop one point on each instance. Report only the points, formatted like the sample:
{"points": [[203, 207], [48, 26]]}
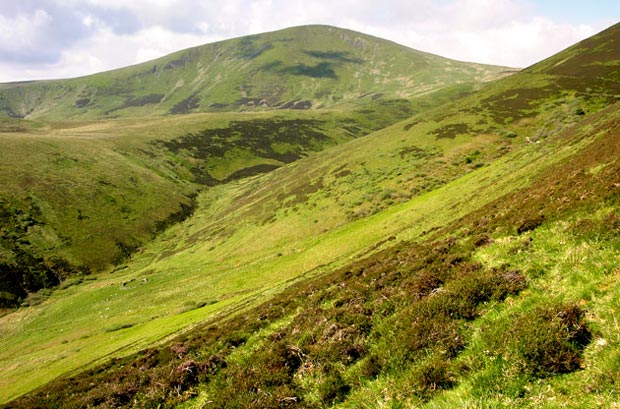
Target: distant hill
{"points": [[297, 68]]}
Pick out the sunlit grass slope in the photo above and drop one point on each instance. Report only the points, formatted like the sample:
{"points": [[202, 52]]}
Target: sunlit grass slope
{"points": [[79, 196], [167, 288], [80, 193], [297, 68], [401, 268]]}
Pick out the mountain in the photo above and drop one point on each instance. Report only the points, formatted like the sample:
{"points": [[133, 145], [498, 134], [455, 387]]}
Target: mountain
{"points": [[464, 257], [79, 196], [305, 67]]}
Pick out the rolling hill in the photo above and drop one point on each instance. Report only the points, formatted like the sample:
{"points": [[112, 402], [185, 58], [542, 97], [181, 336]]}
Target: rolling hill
{"points": [[298, 68], [78, 196], [464, 257]]}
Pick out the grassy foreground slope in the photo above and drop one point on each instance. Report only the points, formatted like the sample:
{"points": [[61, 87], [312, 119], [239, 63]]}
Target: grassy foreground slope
{"points": [[399, 326], [220, 262], [297, 68]]}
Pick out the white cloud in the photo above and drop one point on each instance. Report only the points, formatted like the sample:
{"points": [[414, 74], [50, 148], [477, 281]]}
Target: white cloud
{"points": [[88, 21], [105, 51], [23, 31], [483, 14], [516, 44]]}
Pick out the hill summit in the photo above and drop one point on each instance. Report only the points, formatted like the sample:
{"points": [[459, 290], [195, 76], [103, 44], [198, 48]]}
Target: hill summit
{"points": [[297, 68]]}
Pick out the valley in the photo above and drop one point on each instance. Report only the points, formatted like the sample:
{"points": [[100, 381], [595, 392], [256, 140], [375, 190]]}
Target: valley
{"points": [[374, 251]]}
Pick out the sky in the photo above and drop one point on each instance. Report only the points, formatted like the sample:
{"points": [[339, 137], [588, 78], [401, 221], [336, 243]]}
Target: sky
{"points": [[44, 39]]}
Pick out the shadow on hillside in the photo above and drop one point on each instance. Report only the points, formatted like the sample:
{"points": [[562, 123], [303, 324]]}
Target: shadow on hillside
{"points": [[321, 70], [340, 56]]}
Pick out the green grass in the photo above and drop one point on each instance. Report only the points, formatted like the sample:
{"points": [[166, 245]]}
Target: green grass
{"points": [[102, 188], [297, 279], [563, 265], [91, 193], [247, 264]]}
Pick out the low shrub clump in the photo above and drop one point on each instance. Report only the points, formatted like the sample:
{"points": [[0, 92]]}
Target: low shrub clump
{"points": [[545, 341], [432, 376]]}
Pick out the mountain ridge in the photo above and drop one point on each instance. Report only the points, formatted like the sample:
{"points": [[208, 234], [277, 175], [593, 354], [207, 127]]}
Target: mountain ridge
{"points": [[297, 68]]}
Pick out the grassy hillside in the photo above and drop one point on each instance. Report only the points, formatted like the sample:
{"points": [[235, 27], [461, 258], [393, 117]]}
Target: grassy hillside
{"points": [[298, 68], [108, 173], [80, 195], [77, 197], [359, 343], [384, 305]]}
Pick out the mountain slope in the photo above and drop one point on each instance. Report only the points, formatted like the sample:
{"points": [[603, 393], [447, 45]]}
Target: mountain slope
{"points": [[87, 177], [419, 155], [298, 68], [387, 321], [77, 197], [481, 168]]}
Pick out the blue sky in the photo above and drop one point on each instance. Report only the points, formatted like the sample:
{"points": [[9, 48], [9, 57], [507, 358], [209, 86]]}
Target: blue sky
{"points": [[42, 39], [578, 12]]}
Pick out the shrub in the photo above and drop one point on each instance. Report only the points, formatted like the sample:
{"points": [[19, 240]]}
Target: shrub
{"points": [[545, 341], [530, 224], [371, 367], [461, 298], [508, 133], [432, 376], [418, 331], [333, 389], [423, 284]]}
